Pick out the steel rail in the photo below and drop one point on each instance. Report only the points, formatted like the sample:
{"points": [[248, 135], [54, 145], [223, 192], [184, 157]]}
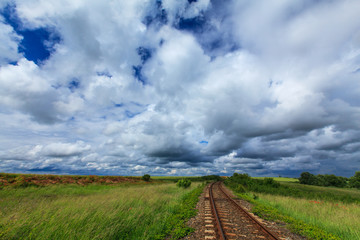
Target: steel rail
{"points": [[248, 214], [215, 213]]}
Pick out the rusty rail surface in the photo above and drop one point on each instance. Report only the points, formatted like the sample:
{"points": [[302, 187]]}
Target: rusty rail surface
{"points": [[215, 213], [217, 219], [262, 227]]}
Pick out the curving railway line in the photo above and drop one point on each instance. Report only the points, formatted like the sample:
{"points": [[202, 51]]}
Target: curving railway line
{"points": [[225, 219]]}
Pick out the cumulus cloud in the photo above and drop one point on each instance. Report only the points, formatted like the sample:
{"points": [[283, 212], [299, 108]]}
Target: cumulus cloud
{"points": [[181, 88], [9, 43], [24, 89], [65, 149]]}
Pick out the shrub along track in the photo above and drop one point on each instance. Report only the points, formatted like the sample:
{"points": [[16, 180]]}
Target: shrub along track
{"points": [[226, 219]]}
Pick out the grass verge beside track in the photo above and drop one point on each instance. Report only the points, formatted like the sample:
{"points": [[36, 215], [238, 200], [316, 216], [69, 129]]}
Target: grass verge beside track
{"points": [[268, 212], [340, 219], [312, 211], [125, 211]]}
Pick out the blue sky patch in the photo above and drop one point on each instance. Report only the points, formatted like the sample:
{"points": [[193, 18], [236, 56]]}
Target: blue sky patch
{"points": [[37, 44], [104, 73], [138, 75], [144, 53], [203, 142], [216, 41], [74, 84], [12, 63], [158, 18], [118, 105], [130, 114], [196, 24]]}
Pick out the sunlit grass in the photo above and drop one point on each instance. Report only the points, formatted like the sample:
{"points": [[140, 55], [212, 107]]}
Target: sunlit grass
{"points": [[334, 190], [281, 179], [339, 218], [87, 212]]}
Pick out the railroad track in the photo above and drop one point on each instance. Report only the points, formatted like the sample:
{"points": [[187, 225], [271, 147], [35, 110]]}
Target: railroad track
{"points": [[225, 219]]}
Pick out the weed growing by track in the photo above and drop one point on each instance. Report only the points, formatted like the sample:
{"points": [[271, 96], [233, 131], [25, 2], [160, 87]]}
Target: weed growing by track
{"points": [[125, 211], [175, 225]]}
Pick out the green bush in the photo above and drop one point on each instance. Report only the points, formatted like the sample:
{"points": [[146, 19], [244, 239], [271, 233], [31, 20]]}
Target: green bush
{"points": [[22, 181], [323, 180], [271, 182], [185, 183], [211, 178], [240, 189], [146, 177], [355, 180]]}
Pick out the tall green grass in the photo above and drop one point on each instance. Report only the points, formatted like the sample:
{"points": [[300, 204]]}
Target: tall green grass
{"points": [[340, 219], [312, 211], [93, 211], [280, 179], [291, 189], [268, 212]]}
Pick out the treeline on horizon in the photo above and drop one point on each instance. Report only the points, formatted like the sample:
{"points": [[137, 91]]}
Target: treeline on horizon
{"points": [[244, 184], [330, 180]]}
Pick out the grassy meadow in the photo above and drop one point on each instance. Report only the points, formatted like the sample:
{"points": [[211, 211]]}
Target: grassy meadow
{"points": [[312, 211], [344, 194], [340, 219], [114, 207], [280, 179], [95, 211]]}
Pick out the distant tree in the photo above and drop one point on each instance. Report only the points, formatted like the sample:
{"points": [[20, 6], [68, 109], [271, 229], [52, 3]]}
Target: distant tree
{"points": [[321, 180], [326, 180], [243, 179], [355, 180], [271, 182], [146, 177], [335, 181], [211, 178], [307, 178]]}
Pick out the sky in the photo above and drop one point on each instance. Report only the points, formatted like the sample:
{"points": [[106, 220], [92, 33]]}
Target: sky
{"points": [[176, 87]]}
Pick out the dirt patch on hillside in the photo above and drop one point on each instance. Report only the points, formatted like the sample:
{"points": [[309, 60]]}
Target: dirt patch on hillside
{"points": [[25, 180]]}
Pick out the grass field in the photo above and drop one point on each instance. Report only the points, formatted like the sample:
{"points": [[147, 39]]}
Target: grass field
{"points": [[332, 194], [125, 211], [281, 179], [192, 178], [312, 211], [174, 178], [326, 190], [340, 219]]}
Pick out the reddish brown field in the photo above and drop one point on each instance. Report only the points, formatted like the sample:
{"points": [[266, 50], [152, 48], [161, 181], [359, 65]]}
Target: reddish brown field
{"points": [[24, 180]]}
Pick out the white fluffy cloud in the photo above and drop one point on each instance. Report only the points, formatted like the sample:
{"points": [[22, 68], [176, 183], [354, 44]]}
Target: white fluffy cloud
{"points": [[9, 43], [64, 149], [173, 87]]}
